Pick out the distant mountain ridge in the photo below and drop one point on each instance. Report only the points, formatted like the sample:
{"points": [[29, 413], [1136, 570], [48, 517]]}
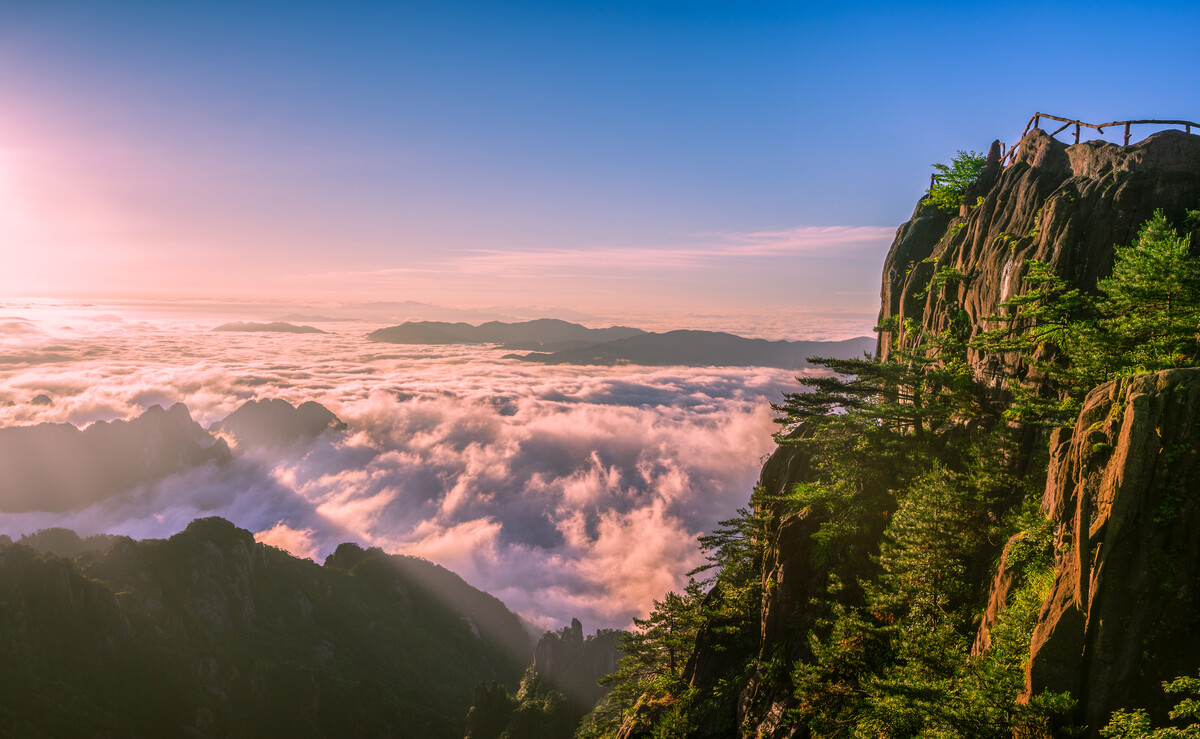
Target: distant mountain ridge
{"points": [[276, 327], [524, 335], [57, 466], [553, 341], [704, 348], [274, 422]]}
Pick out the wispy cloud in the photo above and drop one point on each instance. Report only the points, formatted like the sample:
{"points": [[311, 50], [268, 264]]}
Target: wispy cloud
{"points": [[690, 274], [698, 251]]}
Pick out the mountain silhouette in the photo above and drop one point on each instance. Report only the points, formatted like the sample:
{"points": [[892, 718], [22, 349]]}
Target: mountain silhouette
{"points": [[278, 327], [703, 348], [537, 334], [57, 466]]}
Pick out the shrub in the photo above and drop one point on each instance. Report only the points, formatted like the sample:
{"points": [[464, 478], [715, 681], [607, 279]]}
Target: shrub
{"points": [[950, 181]]}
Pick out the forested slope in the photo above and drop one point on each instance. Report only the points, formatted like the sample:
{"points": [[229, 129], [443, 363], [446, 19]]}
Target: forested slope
{"points": [[209, 633]]}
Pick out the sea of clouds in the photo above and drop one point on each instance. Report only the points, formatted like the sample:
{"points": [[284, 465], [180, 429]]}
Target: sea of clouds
{"points": [[564, 491]]}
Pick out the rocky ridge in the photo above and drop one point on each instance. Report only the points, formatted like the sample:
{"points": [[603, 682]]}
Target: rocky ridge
{"points": [[56, 467]]}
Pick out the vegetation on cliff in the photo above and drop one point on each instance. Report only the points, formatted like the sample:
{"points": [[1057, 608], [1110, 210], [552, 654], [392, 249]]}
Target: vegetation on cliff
{"points": [[909, 493], [1141, 318], [897, 572], [950, 181]]}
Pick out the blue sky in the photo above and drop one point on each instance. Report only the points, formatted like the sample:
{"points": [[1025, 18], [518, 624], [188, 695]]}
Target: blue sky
{"points": [[526, 153]]}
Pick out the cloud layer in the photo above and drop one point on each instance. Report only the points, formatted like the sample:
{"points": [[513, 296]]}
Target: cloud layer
{"points": [[566, 492]]}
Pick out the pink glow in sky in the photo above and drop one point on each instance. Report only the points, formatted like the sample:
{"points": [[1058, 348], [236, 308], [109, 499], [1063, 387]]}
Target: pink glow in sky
{"points": [[116, 226], [665, 159]]}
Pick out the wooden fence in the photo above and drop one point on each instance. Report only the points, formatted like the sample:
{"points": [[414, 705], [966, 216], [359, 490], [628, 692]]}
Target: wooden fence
{"points": [[1036, 119]]}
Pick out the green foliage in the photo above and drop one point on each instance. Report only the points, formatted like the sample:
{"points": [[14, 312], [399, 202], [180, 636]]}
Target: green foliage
{"points": [[1149, 306], [540, 712], [649, 677], [950, 181], [946, 276], [1137, 725], [926, 550], [1143, 318], [1037, 224], [914, 487]]}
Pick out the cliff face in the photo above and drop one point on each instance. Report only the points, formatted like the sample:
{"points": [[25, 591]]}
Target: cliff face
{"points": [[1122, 616], [1067, 206], [790, 581]]}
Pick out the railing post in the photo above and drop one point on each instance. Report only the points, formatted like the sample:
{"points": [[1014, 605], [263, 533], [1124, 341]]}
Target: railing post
{"points": [[1126, 134], [1037, 121], [1077, 133]]}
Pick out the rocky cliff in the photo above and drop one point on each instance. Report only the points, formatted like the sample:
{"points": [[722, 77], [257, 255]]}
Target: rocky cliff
{"points": [[1066, 206], [1121, 616], [573, 664], [1123, 613]]}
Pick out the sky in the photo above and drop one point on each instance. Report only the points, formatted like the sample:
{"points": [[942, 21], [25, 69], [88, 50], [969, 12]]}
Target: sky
{"points": [[606, 158]]}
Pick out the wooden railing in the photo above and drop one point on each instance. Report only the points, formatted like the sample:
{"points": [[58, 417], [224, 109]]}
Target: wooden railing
{"points": [[1036, 119]]}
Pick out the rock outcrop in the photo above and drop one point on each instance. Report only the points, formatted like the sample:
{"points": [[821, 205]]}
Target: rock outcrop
{"points": [[1123, 614], [572, 664], [1067, 206]]}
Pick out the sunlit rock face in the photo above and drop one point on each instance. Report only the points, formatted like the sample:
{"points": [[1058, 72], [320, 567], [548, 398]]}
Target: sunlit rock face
{"points": [[55, 467], [1067, 206], [1123, 614]]}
